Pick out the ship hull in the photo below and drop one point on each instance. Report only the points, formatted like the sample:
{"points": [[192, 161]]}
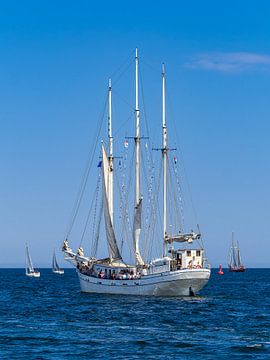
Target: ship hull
{"points": [[35, 274], [59, 272], [172, 283], [237, 270]]}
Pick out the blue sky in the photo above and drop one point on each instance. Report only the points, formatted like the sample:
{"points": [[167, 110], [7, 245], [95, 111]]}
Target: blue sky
{"points": [[55, 60]]}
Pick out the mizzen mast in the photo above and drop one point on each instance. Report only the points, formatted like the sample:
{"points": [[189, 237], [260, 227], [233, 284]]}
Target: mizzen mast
{"points": [[164, 153]]}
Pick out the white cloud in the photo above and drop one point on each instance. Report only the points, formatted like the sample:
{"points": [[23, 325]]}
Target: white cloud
{"points": [[230, 62]]}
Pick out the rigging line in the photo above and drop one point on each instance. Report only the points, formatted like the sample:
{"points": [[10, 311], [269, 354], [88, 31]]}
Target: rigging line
{"points": [[94, 200], [126, 63], [128, 190], [120, 194], [115, 92], [126, 228], [176, 209], [144, 111], [127, 232], [148, 175], [155, 206], [123, 124], [86, 174], [151, 226], [96, 237], [183, 162], [180, 192], [144, 173]]}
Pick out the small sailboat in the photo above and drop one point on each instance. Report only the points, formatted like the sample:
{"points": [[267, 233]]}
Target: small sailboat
{"points": [[29, 268], [55, 267], [235, 262]]}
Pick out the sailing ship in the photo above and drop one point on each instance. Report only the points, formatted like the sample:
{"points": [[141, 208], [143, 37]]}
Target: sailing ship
{"points": [[55, 267], [178, 271], [29, 268], [235, 262]]}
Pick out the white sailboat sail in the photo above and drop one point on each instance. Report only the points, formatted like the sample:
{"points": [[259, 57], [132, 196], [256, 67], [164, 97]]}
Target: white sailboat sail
{"points": [[114, 252], [29, 268], [55, 267], [136, 233], [29, 264]]}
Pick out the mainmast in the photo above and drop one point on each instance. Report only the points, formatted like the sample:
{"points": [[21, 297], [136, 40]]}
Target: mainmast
{"points": [[110, 178], [138, 198], [137, 137], [164, 153]]}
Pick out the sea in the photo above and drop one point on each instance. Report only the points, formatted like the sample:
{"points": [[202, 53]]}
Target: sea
{"points": [[49, 318]]}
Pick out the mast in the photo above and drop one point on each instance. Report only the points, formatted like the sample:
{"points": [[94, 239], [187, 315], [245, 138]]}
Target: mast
{"points": [[164, 153], [110, 178], [138, 198], [137, 137]]}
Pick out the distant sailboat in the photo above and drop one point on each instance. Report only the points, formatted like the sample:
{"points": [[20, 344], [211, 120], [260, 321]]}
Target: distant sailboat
{"points": [[55, 267], [235, 262], [29, 268]]}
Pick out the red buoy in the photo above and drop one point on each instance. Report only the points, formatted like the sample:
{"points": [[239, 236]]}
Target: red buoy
{"points": [[220, 271]]}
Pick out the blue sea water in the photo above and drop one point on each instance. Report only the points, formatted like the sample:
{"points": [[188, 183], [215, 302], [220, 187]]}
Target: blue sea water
{"points": [[49, 318]]}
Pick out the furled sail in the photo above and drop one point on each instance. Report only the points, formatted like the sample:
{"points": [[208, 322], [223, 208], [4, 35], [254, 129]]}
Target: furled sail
{"points": [[114, 252], [189, 237], [136, 233]]}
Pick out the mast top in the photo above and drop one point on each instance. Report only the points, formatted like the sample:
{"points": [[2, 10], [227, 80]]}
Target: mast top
{"points": [[163, 98]]}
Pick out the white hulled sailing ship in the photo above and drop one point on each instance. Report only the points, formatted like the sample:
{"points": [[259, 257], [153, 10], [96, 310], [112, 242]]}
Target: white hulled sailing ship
{"points": [[235, 261], [181, 270], [29, 268], [55, 267]]}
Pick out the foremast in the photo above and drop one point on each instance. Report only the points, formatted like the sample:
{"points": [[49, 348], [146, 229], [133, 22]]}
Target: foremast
{"points": [[138, 198], [107, 167]]}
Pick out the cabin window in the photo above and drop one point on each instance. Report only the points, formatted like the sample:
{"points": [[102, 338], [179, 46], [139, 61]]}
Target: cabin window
{"points": [[188, 252], [198, 253]]}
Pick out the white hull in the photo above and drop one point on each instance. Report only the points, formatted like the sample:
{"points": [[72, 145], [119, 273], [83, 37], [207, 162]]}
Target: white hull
{"points": [[35, 274], [172, 283], [60, 272]]}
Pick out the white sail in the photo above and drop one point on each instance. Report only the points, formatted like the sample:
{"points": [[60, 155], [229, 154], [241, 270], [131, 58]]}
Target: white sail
{"points": [[136, 233], [29, 265], [55, 265], [114, 252], [29, 268]]}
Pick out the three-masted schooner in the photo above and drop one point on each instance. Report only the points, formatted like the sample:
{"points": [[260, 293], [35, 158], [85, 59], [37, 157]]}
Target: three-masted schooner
{"points": [[179, 271], [234, 259], [29, 268]]}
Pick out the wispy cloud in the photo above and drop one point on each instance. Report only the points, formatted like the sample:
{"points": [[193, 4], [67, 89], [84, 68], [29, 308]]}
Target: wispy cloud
{"points": [[230, 62]]}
